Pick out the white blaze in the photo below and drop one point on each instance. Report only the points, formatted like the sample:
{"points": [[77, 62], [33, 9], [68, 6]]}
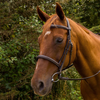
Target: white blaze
{"points": [[40, 52], [36, 65], [47, 33]]}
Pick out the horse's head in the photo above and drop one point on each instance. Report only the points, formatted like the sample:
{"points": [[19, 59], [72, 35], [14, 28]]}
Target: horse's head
{"points": [[52, 43]]}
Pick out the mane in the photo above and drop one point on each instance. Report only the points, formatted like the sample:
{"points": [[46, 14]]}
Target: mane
{"points": [[84, 28], [88, 31]]}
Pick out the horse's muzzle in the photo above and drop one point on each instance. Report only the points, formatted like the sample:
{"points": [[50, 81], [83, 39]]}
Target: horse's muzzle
{"points": [[40, 87]]}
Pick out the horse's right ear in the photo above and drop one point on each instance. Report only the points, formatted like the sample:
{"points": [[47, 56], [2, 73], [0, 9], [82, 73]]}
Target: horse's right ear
{"points": [[43, 16]]}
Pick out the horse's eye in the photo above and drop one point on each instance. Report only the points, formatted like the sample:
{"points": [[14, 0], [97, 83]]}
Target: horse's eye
{"points": [[59, 40]]}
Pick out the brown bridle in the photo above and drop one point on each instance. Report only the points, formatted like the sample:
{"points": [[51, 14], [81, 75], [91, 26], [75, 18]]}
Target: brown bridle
{"points": [[62, 59]]}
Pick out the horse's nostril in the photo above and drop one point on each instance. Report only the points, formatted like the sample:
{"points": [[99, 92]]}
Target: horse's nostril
{"points": [[41, 86]]}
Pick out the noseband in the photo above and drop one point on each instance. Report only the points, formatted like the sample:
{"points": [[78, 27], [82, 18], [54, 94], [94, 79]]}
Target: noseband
{"points": [[62, 59]]}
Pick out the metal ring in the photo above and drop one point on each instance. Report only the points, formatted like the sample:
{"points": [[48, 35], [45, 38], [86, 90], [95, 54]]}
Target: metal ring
{"points": [[53, 76]]}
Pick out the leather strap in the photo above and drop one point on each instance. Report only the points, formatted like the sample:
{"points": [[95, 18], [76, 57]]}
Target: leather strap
{"points": [[49, 59]]}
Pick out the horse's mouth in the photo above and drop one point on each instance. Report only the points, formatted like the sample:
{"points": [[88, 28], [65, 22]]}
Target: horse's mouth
{"points": [[42, 93]]}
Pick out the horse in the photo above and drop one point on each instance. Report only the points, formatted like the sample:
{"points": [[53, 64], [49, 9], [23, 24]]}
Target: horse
{"points": [[62, 43]]}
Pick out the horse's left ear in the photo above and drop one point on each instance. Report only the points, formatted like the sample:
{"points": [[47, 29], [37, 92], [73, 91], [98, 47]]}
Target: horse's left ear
{"points": [[59, 11]]}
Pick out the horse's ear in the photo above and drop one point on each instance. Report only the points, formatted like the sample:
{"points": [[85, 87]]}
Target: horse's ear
{"points": [[44, 17], [59, 11]]}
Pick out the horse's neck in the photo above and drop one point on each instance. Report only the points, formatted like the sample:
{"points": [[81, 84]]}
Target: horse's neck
{"points": [[87, 60]]}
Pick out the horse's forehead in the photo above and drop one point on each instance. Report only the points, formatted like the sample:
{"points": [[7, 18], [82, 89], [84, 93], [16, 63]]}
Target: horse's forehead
{"points": [[54, 31]]}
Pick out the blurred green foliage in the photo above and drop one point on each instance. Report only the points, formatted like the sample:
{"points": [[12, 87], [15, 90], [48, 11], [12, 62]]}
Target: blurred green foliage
{"points": [[95, 29], [19, 30]]}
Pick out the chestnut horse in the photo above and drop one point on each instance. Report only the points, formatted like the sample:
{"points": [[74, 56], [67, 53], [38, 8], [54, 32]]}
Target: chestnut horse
{"points": [[85, 54]]}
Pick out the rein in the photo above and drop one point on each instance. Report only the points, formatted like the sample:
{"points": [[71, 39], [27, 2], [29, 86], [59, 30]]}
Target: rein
{"points": [[62, 60]]}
